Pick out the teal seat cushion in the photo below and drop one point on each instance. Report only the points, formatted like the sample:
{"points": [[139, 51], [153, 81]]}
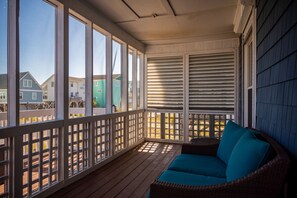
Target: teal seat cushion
{"points": [[231, 135], [249, 154], [199, 164], [190, 179]]}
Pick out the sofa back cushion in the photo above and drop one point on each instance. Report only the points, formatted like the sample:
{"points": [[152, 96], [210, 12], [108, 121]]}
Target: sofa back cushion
{"points": [[249, 154], [231, 135]]}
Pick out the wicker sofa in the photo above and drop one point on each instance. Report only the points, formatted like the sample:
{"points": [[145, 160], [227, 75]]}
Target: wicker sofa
{"points": [[267, 180]]}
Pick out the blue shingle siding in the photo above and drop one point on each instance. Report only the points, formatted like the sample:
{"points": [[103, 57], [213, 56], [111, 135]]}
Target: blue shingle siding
{"points": [[27, 97], [35, 86], [277, 73]]}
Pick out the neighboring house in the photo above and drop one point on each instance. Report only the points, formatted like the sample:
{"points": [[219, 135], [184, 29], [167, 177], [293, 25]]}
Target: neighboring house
{"points": [[48, 88], [99, 90], [30, 90], [76, 88], [3, 89]]}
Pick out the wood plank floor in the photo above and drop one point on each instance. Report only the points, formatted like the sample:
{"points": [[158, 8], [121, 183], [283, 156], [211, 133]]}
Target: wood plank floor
{"points": [[127, 176]]}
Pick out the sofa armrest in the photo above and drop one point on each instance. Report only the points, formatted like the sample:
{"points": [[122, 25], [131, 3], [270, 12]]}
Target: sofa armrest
{"points": [[200, 149]]}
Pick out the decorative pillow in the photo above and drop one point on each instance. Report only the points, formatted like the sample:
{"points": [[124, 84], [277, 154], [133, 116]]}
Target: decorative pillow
{"points": [[249, 154], [231, 135]]}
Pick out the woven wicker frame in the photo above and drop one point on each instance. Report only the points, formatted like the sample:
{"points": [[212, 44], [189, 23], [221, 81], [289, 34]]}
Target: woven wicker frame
{"points": [[267, 181]]}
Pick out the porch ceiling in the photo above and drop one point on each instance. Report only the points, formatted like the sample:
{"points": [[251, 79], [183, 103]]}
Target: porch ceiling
{"points": [[171, 21]]}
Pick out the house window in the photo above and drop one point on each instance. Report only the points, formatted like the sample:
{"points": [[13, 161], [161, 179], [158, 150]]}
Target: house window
{"points": [[130, 80], [249, 92], [71, 84], [2, 95], [99, 72], [52, 84], [37, 38], [3, 64], [139, 75], [27, 83], [34, 96], [21, 95], [249, 73], [116, 75]]}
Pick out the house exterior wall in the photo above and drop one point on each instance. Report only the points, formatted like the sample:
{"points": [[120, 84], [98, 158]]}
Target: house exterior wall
{"points": [[27, 96], [277, 73], [48, 90], [78, 88], [99, 93], [3, 96], [28, 91]]}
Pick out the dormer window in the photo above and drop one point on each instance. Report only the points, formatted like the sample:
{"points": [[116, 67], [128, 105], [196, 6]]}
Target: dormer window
{"points": [[27, 83]]}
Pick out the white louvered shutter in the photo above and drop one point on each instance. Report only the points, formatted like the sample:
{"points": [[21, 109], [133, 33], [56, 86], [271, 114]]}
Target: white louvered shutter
{"points": [[211, 81], [165, 82]]}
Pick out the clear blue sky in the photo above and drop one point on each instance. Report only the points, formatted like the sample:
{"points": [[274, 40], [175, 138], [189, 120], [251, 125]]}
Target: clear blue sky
{"points": [[3, 36], [37, 42]]}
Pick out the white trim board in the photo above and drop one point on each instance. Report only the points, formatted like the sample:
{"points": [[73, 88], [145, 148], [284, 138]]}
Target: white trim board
{"points": [[214, 45]]}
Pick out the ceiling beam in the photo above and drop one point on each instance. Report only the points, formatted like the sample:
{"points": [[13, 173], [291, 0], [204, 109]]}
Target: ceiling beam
{"points": [[133, 12], [167, 6]]}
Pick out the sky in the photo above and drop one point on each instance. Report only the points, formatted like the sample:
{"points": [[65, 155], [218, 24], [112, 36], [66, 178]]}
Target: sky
{"points": [[37, 42]]}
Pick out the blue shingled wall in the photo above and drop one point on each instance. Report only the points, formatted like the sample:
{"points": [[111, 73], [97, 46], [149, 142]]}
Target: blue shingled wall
{"points": [[277, 72]]}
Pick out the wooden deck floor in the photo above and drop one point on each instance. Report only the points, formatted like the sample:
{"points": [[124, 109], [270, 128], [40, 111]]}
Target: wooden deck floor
{"points": [[127, 176]]}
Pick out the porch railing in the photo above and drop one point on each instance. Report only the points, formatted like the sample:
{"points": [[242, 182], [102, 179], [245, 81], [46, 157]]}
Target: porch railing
{"points": [[40, 158], [171, 125]]}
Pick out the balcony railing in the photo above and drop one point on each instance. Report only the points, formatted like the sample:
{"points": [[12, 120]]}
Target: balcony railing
{"points": [[41, 158], [170, 125]]}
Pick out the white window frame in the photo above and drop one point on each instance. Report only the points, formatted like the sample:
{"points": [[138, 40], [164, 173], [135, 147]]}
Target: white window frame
{"points": [[249, 38], [27, 83], [2, 95], [34, 96]]}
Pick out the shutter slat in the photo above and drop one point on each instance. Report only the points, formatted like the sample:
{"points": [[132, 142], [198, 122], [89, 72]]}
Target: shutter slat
{"points": [[165, 82], [211, 81]]}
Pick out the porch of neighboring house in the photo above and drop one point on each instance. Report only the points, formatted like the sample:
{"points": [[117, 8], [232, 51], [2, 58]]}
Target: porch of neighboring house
{"points": [[130, 82]]}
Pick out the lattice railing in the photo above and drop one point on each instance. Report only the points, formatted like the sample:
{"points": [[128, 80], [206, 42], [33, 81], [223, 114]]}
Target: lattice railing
{"points": [[119, 133], [40, 160], [174, 126], [4, 167], [78, 147], [132, 129], [45, 154], [140, 125], [170, 125], [102, 142]]}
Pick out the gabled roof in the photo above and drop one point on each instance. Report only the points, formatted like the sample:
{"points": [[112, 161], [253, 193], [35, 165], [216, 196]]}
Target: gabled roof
{"points": [[3, 79]]}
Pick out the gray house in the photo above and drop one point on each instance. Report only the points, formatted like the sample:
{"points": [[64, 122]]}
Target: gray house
{"points": [[30, 90]]}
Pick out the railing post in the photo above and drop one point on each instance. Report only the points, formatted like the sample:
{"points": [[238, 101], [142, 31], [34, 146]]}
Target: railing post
{"points": [[16, 181], [112, 135], [92, 144], [186, 98], [126, 131], [211, 125], [162, 125], [136, 127]]}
